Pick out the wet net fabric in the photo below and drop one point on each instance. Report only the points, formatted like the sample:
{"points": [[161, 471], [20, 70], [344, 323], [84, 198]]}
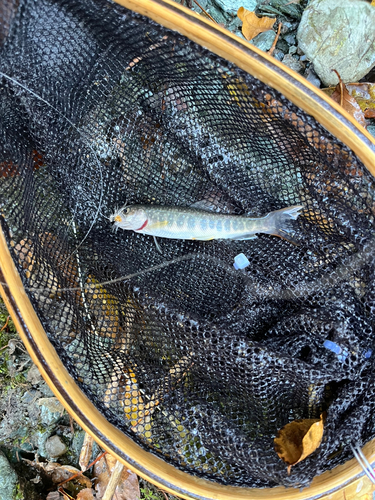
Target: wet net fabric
{"points": [[197, 362]]}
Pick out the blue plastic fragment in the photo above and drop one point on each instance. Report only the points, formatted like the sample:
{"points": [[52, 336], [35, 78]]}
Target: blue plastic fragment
{"points": [[241, 261], [367, 354], [332, 346]]}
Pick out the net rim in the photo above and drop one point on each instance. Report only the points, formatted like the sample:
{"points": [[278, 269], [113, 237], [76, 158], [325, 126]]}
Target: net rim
{"points": [[265, 68], [148, 466], [143, 463]]}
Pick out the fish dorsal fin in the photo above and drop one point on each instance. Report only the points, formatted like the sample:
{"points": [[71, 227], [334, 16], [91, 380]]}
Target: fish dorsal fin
{"points": [[205, 205]]}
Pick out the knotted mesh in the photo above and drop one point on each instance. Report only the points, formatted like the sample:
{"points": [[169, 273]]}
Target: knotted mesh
{"points": [[195, 361]]}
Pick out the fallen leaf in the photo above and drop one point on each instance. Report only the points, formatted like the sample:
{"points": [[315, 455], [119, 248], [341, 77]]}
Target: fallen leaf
{"points": [[86, 452], [341, 95], [128, 488], [54, 495], [298, 439], [363, 93], [253, 25], [64, 472], [86, 494]]}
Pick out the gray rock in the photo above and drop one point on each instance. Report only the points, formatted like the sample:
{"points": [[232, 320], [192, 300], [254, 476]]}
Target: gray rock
{"points": [[286, 27], [232, 6], [235, 24], [339, 35], [278, 54], [292, 50], [33, 375], [46, 391], [51, 410], [283, 45], [371, 129], [55, 447], [218, 15], [264, 40], [8, 479], [204, 3], [38, 440], [290, 38], [75, 448], [293, 63], [312, 77], [30, 396]]}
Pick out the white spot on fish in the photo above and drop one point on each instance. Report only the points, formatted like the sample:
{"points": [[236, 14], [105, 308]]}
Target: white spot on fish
{"points": [[180, 221], [191, 222]]}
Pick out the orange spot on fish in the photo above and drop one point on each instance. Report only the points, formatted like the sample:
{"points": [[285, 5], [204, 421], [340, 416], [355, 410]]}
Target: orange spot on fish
{"points": [[118, 218]]}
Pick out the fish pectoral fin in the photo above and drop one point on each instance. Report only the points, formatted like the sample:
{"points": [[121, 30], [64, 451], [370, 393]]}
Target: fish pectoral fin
{"points": [[157, 245], [245, 237]]}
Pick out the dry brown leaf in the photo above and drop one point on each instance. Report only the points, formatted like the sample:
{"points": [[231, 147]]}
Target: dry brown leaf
{"points": [[297, 440], [253, 25], [86, 452], [86, 494], [363, 93], [54, 495], [128, 488], [341, 95]]}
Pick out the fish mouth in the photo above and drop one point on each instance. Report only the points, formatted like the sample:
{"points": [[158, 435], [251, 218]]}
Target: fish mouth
{"points": [[116, 225]]}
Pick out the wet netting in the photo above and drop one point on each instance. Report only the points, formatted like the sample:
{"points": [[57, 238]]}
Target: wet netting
{"points": [[197, 362]]}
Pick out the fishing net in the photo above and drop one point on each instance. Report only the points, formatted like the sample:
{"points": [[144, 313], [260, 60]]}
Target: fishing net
{"points": [[199, 363]]}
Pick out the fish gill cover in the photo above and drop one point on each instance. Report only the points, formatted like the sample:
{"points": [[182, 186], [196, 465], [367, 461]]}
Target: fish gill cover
{"points": [[198, 362]]}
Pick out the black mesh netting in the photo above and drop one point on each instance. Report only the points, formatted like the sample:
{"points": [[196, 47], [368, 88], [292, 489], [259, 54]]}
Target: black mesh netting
{"points": [[197, 362]]}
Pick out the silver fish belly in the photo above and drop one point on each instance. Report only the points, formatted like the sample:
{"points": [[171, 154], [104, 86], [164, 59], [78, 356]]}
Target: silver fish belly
{"points": [[202, 225]]}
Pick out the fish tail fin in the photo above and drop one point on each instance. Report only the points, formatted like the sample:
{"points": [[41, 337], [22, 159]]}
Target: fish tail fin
{"points": [[281, 222]]}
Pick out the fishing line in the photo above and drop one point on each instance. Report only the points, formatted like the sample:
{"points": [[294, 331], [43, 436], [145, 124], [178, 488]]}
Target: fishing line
{"points": [[87, 142], [337, 275]]}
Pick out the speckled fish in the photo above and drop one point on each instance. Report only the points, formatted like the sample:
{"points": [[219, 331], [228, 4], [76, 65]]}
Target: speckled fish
{"points": [[197, 224]]}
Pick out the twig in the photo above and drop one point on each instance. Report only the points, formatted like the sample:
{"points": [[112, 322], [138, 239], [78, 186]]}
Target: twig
{"points": [[80, 473], [164, 494], [276, 40], [64, 494], [113, 481], [207, 14], [6, 324], [341, 88], [71, 422]]}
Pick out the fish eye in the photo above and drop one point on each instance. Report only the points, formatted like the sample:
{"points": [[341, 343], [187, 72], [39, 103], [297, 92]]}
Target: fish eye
{"points": [[126, 210]]}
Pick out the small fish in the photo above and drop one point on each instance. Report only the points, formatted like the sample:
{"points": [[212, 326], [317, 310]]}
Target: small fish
{"points": [[202, 225]]}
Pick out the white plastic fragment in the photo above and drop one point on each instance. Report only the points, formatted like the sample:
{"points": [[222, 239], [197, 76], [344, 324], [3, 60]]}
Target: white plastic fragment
{"points": [[241, 261]]}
